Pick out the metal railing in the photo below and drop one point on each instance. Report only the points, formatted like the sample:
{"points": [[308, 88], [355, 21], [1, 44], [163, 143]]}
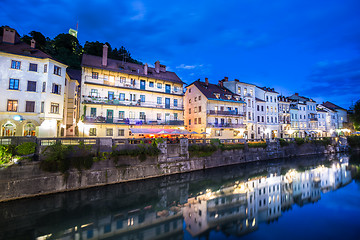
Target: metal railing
{"points": [[133, 121], [133, 103], [226, 113], [226, 125]]}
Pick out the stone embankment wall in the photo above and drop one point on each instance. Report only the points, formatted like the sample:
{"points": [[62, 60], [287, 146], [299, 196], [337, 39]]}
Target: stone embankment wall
{"points": [[28, 180]]}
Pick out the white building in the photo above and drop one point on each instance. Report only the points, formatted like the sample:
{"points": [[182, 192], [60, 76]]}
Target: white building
{"points": [[121, 99], [284, 116], [269, 97], [32, 87], [247, 92], [214, 111]]}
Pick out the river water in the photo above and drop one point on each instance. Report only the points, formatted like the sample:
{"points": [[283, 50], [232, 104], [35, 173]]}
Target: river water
{"points": [[300, 198]]}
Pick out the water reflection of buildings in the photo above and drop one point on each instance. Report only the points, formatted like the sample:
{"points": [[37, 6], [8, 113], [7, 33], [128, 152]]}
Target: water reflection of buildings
{"points": [[238, 209]]}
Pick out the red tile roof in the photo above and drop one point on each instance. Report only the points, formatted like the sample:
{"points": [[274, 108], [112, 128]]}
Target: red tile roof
{"points": [[210, 91], [23, 49], [129, 68], [331, 105]]}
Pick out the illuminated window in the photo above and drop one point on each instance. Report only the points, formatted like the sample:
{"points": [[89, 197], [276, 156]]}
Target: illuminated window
{"points": [[109, 132], [15, 64], [95, 75], [92, 132], [54, 108], [14, 84], [12, 105]]}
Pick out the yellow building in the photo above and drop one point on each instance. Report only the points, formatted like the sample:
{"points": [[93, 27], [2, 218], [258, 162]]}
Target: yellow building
{"points": [[121, 99], [213, 111]]}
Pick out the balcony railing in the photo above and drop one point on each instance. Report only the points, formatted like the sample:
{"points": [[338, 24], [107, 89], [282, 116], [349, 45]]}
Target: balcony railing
{"points": [[137, 103], [226, 125], [313, 119], [226, 113], [133, 121]]}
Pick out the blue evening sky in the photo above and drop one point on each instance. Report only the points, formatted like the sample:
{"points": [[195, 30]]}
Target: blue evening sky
{"points": [[309, 47]]}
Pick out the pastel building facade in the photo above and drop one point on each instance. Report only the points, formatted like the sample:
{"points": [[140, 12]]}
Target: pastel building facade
{"points": [[284, 117], [124, 100], [32, 87], [213, 111]]}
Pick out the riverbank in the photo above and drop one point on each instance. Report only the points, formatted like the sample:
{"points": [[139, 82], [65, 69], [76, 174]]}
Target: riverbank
{"points": [[28, 180]]}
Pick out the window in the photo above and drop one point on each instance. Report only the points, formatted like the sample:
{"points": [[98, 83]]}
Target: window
{"points": [[142, 115], [31, 87], [132, 97], [262, 118], [15, 64], [122, 97], [189, 110], [45, 68], [54, 108], [30, 106], [14, 84], [109, 132], [158, 100], [158, 116], [93, 112], [44, 87], [175, 116], [95, 75], [195, 120], [189, 90], [121, 132], [199, 121], [56, 88], [142, 98], [262, 108], [189, 100], [199, 109], [12, 105], [111, 95], [94, 93], [159, 85], [195, 99], [175, 102], [57, 70], [217, 133], [267, 118], [195, 109], [131, 115], [258, 118], [270, 98], [199, 98], [92, 132], [189, 121], [121, 114], [176, 89], [42, 107], [33, 67], [151, 84]]}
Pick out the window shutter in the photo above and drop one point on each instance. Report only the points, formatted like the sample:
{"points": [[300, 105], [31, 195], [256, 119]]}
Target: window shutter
{"points": [[53, 88], [59, 90]]}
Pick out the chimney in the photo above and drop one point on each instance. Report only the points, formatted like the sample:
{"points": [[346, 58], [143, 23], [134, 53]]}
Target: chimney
{"points": [[226, 79], [146, 69], [9, 35], [221, 83], [206, 81], [237, 80], [162, 68], [157, 66], [33, 43], [105, 55], [296, 94]]}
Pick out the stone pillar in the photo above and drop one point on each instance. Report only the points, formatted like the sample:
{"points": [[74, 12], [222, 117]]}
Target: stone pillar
{"points": [[184, 145], [105, 144], [163, 148]]}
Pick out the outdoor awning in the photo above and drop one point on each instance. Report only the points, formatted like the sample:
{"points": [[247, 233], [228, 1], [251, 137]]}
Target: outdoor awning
{"points": [[159, 131]]}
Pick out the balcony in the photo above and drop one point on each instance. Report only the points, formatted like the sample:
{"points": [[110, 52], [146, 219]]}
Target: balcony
{"points": [[226, 125], [133, 121], [313, 119], [126, 102], [226, 113]]}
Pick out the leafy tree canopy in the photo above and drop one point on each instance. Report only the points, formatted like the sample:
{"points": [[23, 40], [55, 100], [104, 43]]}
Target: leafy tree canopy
{"points": [[67, 49], [355, 117]]}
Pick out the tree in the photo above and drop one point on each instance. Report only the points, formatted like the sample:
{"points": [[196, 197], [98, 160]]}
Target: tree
{"points": [[355, 117], [67, 49], [40, 39]]}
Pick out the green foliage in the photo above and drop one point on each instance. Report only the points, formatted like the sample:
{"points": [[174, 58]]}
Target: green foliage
{"points": [[354, 141], [232, 146], [257, 145], [26, 148], [6, 154], [325, 141], [299, 141], [58, 158], [201, 150], [283, 142], [142, 151], [82, 146], [355, 117]]}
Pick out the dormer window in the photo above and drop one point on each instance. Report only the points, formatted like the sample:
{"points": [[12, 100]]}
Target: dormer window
{"points": [[217, 95], [228, 96], [237, 98]]}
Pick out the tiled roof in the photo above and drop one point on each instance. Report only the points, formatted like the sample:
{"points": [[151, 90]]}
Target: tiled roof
{"points": [[331, 105], [266, 89], [23, 49], [129, 68], [320, 110], [211, 90], [74, 74], [296, 97]]}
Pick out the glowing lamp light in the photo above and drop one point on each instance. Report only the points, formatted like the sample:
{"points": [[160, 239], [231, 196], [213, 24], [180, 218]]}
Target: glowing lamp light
{"points": [[18, 118]]}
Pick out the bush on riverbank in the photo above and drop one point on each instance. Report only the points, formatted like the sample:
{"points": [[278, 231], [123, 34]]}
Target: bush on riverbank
{"points": [[141, 152], [197, 150], [325, 141], [58, 159], [257, 144], [354, 141], [283, 142], [232, 146], [9, 152], [299, 141]]}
